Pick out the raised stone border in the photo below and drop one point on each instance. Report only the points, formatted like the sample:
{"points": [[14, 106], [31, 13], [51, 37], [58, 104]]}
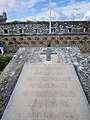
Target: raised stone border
{"points": [[9, 78], [11, 73], [81, 63]]}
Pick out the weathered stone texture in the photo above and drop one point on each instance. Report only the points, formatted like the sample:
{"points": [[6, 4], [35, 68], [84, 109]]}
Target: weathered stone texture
{"points": [[71, 55], [35, 34], [3, 19], [9, 78], [72, 27], [13, 42]]}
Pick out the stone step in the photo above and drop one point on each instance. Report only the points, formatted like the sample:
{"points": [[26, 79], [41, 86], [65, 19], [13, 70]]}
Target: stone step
{"points": [[47, 92]]}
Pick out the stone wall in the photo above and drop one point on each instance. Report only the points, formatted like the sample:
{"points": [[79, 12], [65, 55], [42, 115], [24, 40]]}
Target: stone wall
{"points": [[30, 27], [3, 18], [36, 34], [13, 42]]}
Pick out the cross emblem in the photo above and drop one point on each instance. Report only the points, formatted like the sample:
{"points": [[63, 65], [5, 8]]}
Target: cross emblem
{"points": [[48, 53]]}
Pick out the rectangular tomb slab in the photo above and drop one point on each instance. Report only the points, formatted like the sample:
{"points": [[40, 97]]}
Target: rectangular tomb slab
{"points": [[47, 92]]}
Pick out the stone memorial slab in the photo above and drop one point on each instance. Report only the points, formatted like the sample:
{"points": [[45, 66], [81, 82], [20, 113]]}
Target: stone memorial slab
{"points": [[47, 92]]}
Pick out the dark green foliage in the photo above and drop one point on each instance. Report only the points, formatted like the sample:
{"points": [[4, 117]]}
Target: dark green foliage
{"points": [[4, 60]]}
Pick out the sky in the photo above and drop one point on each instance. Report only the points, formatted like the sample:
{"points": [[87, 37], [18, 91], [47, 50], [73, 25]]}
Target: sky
{"points": [[38, 10]]}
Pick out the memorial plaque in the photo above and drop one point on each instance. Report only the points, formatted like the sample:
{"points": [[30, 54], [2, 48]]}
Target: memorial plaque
{"points": [[47, 92]]}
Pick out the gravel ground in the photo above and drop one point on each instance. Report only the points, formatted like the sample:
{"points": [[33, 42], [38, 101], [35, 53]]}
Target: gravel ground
{"points": [[70, 55], [81, 63]]}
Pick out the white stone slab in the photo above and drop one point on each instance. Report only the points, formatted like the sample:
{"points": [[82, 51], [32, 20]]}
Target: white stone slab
{"points": [[47, 92]]}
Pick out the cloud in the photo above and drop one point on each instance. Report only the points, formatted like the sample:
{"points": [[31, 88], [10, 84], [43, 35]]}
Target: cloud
{"points": [[72, 1], [86, 15], [17, 5], [73, 11], [33, 10]]}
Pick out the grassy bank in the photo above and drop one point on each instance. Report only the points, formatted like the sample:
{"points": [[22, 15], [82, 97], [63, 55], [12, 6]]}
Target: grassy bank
{"points": [[4, 60]]}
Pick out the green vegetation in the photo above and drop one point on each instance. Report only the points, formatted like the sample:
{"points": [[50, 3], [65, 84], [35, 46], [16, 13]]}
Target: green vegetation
{"points": [[4, 60]]}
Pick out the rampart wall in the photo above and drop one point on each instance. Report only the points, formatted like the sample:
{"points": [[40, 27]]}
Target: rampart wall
{"points": [[34, 34], [13, 42], [29, 28]]}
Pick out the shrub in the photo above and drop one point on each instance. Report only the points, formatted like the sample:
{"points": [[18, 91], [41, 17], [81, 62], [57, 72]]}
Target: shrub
{"points": [[61, 38], [77, 38], [4, 60], [85, 38], [68, 38]]}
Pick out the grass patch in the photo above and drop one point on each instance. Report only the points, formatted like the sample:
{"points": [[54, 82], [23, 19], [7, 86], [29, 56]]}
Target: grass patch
{"points": [[4, 60]]}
